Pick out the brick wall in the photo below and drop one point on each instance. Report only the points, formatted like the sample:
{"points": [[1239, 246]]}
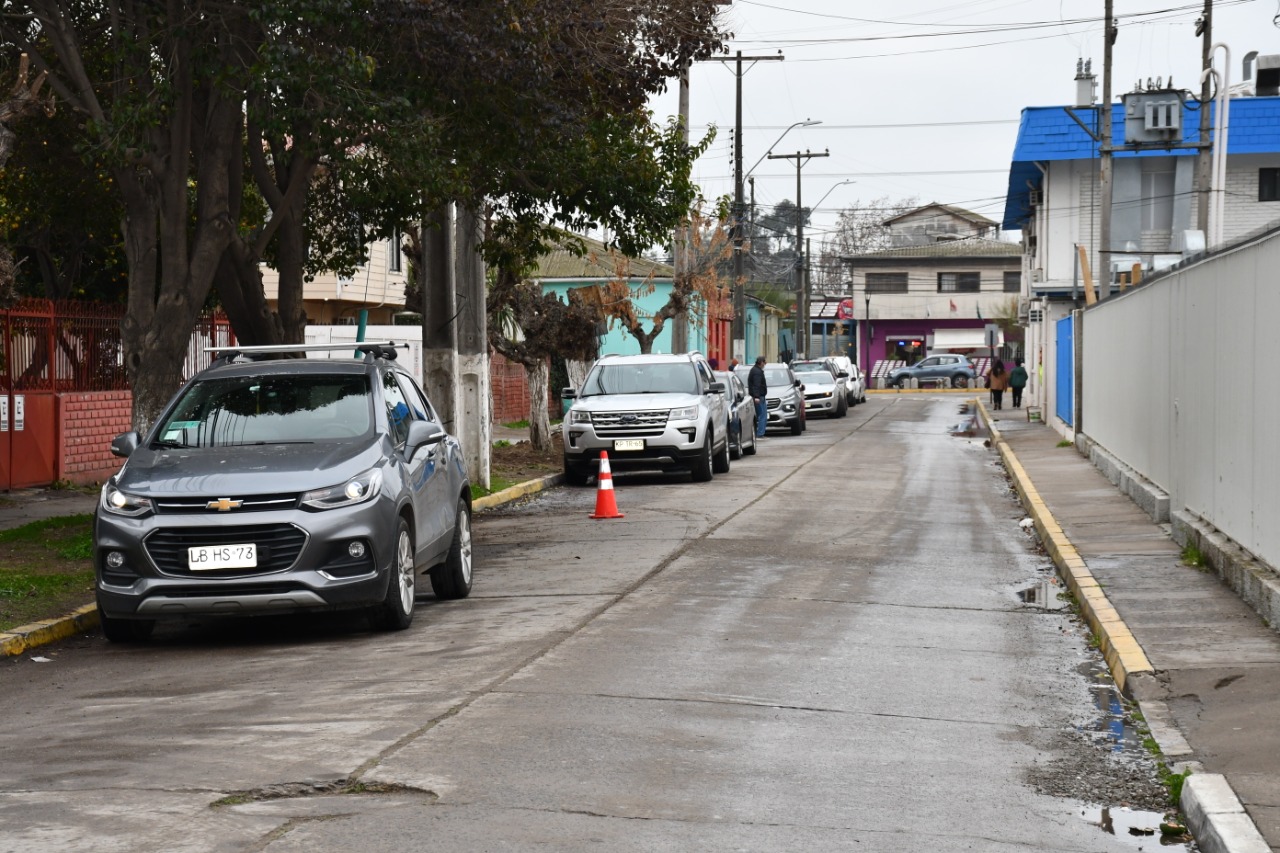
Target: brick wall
{"points": [[89, 421], [511, 392]]}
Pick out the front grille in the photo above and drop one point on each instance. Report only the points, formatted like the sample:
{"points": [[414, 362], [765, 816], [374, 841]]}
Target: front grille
{"points": [[630, 424], [278, 547], [773, 404], [822, 395], [250, 503]]}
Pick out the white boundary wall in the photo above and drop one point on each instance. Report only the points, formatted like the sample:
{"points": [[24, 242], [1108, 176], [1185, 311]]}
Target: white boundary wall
{"points": [[1179, 384]]}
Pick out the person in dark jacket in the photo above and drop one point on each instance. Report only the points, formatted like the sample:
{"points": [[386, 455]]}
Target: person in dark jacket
{"points": [[1017, 381], [758, 388]]}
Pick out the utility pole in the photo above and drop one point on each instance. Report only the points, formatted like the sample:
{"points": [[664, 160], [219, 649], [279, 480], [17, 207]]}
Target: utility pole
{"points": [[1204, 28], [739, 294], [680, 246], [802, 295], [1104, 179]]}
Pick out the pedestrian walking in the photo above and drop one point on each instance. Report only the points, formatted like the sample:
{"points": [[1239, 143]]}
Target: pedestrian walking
{"points": [[997, 381], [758, 388], [1017, 381]]}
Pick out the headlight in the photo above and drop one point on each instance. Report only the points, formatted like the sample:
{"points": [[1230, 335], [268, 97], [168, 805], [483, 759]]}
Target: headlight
{"points": [[117, 502], [688, 413], [360, 488], [578, 416]]}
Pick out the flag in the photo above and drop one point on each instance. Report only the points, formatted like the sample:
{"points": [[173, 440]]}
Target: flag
{"points": [[953, 305]]}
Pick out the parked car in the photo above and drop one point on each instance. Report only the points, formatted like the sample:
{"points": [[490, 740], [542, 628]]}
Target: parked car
{"points": [[955, 369], [647, 411], [824, 388], [855, 383], [785, 398], [742, 415], [284, 486]]}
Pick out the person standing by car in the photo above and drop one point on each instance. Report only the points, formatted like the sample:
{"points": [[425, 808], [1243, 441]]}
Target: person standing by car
{"points": [[998, 381], [1017, 381], [758, 388]]}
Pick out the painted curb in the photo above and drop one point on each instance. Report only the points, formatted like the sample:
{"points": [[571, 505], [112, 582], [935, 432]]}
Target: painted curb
{"points": [[27, 637], [1122, 652], [1215, 815]]}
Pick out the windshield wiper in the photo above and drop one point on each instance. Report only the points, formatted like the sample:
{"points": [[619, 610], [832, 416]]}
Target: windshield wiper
{"points": [[169, 444]]}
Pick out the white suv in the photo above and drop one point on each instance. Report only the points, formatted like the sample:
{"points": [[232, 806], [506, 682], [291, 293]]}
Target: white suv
{"points": [[647, 411]]}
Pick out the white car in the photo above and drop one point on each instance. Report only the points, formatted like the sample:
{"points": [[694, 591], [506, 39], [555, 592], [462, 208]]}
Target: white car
{"points": [[856, 383]]}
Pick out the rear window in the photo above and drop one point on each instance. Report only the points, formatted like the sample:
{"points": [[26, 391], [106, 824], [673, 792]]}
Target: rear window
{"points": [[226, 411]]}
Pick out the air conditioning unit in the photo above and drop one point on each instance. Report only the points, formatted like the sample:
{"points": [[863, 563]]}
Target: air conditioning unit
{"points": [[1035, 197]]}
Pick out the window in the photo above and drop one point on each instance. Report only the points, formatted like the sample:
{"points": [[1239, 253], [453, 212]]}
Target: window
{"points": [[886, 282], [959, 282], [399, 414], [1269, 185], [394, 263], [1013, 282]]}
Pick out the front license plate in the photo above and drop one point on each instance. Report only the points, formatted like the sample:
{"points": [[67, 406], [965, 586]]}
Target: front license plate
{"points": [[211, 557], [629, 444]]}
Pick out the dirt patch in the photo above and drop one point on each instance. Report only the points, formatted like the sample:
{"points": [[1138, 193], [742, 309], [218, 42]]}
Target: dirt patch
{"points": [[521, 461]]}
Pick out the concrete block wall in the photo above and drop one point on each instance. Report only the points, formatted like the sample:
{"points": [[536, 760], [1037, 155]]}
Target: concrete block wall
{"points": [[88, 421]]}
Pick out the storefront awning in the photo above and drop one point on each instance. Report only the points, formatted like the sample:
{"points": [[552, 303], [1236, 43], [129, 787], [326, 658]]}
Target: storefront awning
{"points": [[953, 339]]}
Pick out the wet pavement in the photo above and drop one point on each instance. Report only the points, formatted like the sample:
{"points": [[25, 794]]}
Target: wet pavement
{"points": [[1216, 664]]}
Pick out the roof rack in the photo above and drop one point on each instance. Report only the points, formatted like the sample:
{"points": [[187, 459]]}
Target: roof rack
{"points": [[370, 349]]}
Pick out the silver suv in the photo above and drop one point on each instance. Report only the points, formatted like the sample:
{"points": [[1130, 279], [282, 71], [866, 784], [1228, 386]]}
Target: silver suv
{"points": [[647, 411], [283, 486]]}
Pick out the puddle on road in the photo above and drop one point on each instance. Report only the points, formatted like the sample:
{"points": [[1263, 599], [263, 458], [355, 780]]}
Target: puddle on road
{"points": [[1138, 829], [1112, 726], [1044, 594]]}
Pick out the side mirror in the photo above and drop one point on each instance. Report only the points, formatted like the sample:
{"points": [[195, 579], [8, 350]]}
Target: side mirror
{"points": [[568, 394], [125, 443], [422, 434], [715, 388], [798, 385], [844, 374]]}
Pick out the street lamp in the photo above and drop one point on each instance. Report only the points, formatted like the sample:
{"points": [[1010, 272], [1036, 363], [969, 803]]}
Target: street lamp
{"points": [[805, 123]]}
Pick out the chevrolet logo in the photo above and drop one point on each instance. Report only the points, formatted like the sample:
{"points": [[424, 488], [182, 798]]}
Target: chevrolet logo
{"points": [[224, 504]]}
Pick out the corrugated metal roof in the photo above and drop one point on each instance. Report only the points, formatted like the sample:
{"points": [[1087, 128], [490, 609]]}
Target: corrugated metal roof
{"points": [[1049, 133], [597, 263], [969, 247]]}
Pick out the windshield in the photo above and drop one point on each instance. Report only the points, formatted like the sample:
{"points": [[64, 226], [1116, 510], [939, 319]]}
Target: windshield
{"points": [[268, 410], [658, 378], [810, 367], [777, 376]]}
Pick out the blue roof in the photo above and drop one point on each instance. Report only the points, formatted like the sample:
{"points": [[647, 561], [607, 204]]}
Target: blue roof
{"points": [[1049, 133]]}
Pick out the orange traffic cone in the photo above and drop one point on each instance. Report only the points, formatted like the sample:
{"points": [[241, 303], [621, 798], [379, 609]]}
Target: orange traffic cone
{"points": [[606, 506]]}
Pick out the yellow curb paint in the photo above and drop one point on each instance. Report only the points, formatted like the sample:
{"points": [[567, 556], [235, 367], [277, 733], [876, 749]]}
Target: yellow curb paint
{"points": [[24, 637], [1122, 652], [517, 491]]}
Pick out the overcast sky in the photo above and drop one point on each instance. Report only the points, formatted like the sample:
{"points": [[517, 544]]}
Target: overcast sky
{"points": [[922, 97]]}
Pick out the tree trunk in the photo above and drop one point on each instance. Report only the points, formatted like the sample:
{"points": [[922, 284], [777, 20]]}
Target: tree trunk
{"points": [[538, 375], [291, 258], [239, 284]]}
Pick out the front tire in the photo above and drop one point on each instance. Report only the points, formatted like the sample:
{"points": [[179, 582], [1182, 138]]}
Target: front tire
{"points": [[125, 630], [575, 475], [720, 461], [735, 446], [395, 613], [452, 578], [796, 426], [701, 468], [959, 381]]}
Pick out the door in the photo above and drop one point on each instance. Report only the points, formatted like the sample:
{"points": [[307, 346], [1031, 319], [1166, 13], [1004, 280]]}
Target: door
{"points": [[1064, 371]]}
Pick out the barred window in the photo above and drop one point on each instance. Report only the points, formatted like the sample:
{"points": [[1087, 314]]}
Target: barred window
{"points": [[886, 282], [959, 282], [1013, 282]]}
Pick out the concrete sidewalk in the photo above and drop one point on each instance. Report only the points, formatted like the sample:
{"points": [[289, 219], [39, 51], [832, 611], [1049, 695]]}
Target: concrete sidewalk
{"points": [[1203, 666]]}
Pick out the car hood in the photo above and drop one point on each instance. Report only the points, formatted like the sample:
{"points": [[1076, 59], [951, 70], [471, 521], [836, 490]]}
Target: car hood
{"points": [[246, 470], [818, 381], [634, 402]]}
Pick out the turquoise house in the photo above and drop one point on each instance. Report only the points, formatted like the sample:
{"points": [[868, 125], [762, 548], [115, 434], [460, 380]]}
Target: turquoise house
{"points": [[650, 283]]}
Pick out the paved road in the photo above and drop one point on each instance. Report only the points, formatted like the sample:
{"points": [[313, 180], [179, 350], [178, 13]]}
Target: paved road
{"points": [[822, 649]]}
